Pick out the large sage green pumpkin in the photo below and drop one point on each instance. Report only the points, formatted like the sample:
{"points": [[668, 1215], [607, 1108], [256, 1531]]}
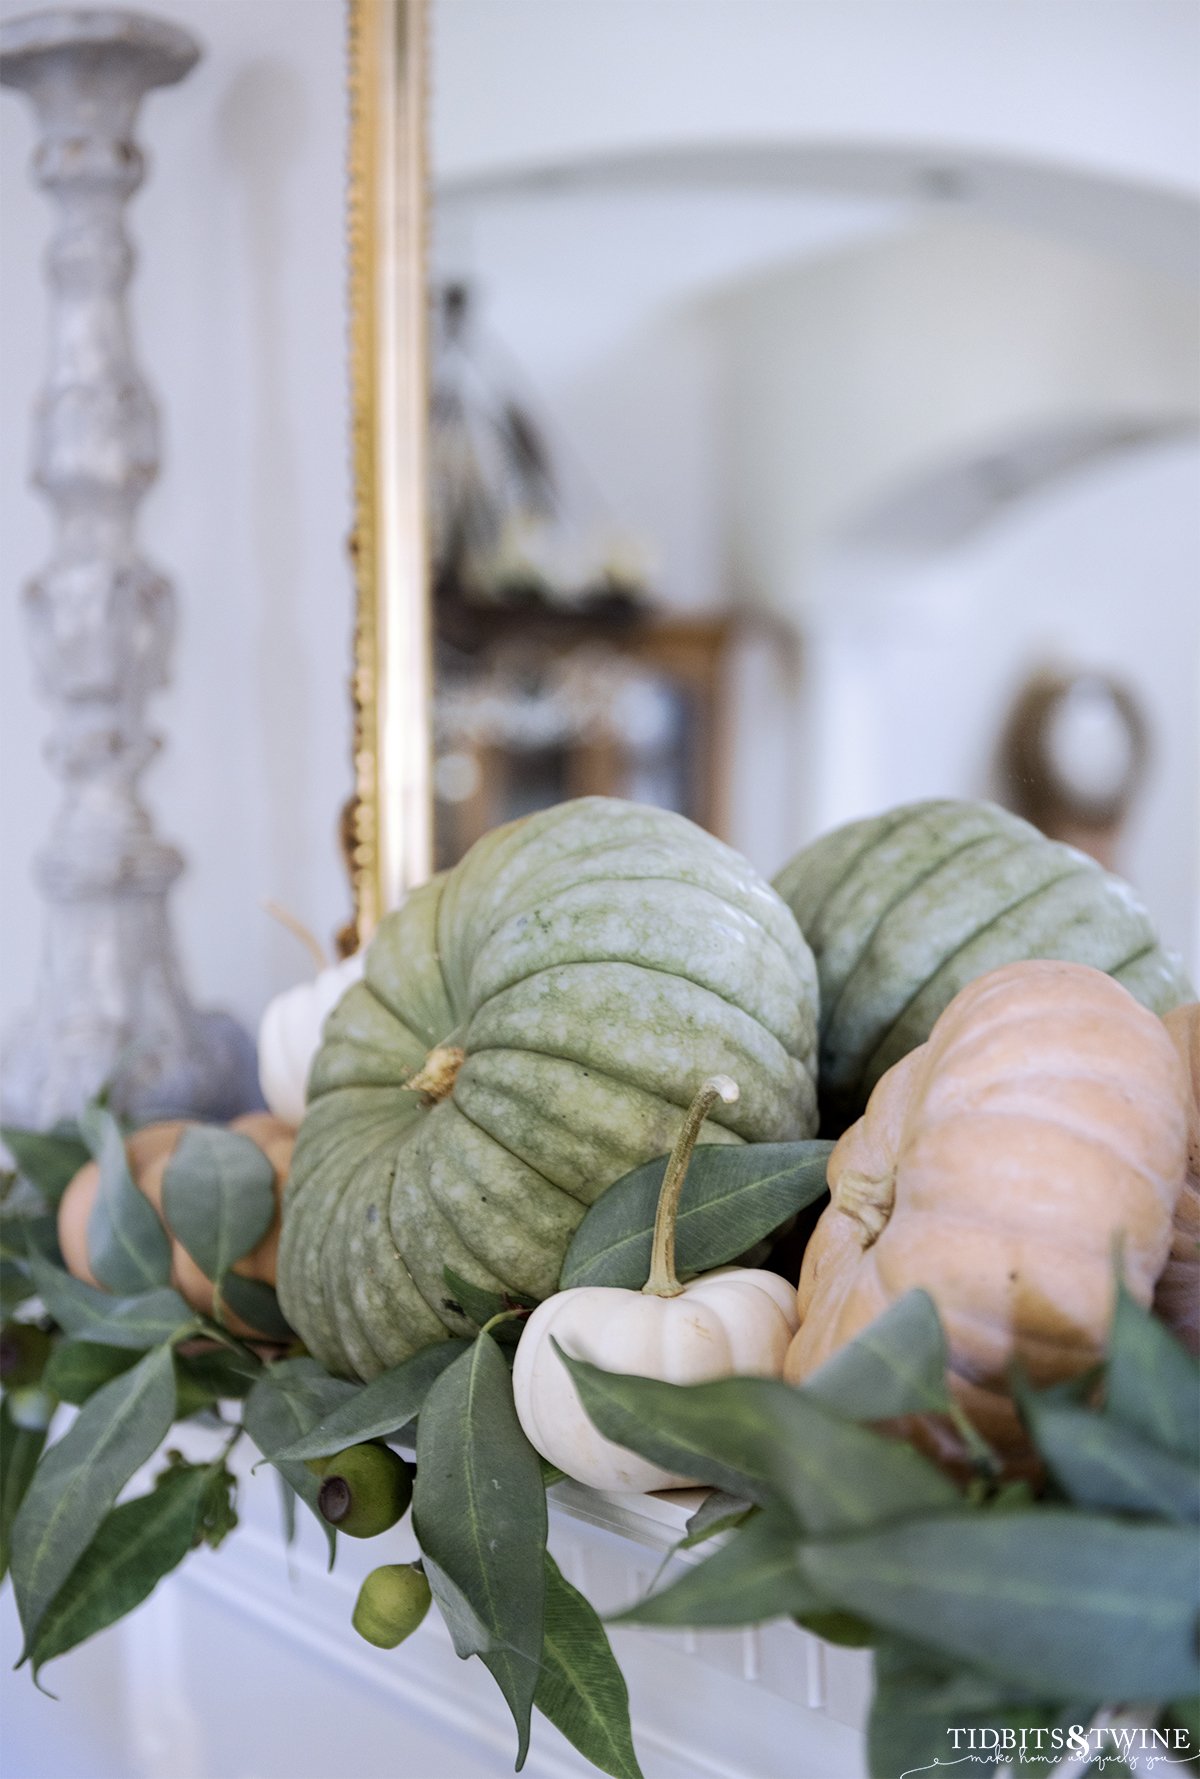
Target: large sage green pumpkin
{"points": [[531, 1025], [903, 909]]}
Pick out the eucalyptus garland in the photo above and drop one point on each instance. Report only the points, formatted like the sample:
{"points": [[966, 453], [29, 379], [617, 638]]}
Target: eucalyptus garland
{"points": [[1027, 1605]]}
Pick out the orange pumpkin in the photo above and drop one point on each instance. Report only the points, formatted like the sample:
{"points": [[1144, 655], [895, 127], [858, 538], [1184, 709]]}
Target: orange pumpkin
{"points": [[1177, 1294], [148, 1151], [996, 1167]]}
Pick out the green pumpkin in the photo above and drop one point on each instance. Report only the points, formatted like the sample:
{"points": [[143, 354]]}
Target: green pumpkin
{"points": [[903, 909], [532, 1025]]}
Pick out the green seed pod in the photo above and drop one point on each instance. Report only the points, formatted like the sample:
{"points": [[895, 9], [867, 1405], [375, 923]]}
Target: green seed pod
{"points": [[31, 1408], [24, 1350], [365, 1489], [391, 1604]]}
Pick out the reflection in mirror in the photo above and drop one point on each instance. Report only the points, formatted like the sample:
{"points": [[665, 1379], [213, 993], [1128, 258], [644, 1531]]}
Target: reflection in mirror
{"points": [[785, 460]]}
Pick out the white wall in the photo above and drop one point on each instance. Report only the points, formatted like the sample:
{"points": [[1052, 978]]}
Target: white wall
{"points": [[238, 305], [1100, 86], [951, 352], [853, 375], [1098, 571]]}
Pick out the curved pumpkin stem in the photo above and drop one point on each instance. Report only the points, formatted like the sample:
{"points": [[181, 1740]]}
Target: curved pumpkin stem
{"points": [[662, 1281], [298, 930]]}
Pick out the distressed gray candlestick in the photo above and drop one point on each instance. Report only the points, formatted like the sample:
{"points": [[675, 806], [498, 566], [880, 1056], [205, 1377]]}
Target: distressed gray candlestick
{"points": [[111, 1003]]}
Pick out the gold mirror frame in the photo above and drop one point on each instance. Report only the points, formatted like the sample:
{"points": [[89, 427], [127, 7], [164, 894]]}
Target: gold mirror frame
{"points": [[389, 838]]}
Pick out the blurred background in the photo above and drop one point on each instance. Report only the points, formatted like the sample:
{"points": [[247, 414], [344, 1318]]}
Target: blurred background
{"points": [[815, 427]]}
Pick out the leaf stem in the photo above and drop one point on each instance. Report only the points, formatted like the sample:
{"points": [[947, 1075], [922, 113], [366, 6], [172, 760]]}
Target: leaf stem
{"points": [[662, 1281], [222, 1336], [503, 1316], [223, 1455], [980, 1452]]}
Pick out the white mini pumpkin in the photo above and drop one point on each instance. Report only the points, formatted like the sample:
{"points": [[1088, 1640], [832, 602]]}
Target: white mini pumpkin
{"points": [[732, 1321], [290, 1034]]}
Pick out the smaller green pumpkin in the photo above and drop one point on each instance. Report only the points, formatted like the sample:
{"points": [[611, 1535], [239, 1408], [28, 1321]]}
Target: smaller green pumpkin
{"points": [[903, 909]]}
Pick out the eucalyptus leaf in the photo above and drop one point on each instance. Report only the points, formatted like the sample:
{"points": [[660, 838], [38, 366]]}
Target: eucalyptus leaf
{"points": [[218, 1196], [1153, 1382], [20, 1449], [1063, 1603], [138, 1543], [481, 1306], [1184, 1714], [256, 1304], [1084, 1390], [718, 1512], [193, 1398], [287, 1401], [287, 1512], [78, 1368], [895, 1367], [468, 1633], [844, 1628], [312, 1387], [474, 1302], [761, 1439], [1010, 1495], [139, 1322], [80, 1477], [381, 1407], [479, 1510], [581, 1688], [49, 1160], [751, 1578], [218, 1505], [128, 1247], [23, 1231], [16, 1287], [734, 1196], [218, 1373], [1100, 1462], [20, 1198]]}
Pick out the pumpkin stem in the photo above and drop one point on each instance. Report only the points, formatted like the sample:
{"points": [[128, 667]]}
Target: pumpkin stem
{"points": [[662, 1281], [868, 1200], [438, 1073], [298, 930]]}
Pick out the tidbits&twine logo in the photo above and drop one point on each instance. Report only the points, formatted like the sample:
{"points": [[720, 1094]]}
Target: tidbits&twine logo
{"points": [[1132, 1749]]}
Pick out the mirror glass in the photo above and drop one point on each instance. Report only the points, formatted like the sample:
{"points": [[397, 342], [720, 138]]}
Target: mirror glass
{"points": [[815, 420]]}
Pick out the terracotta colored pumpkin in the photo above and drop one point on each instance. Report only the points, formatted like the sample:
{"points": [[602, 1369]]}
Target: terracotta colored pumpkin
{"points": [[532, 1025], [148, 1151], [1177, 1295], [995, 1167], [904, 909]]}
